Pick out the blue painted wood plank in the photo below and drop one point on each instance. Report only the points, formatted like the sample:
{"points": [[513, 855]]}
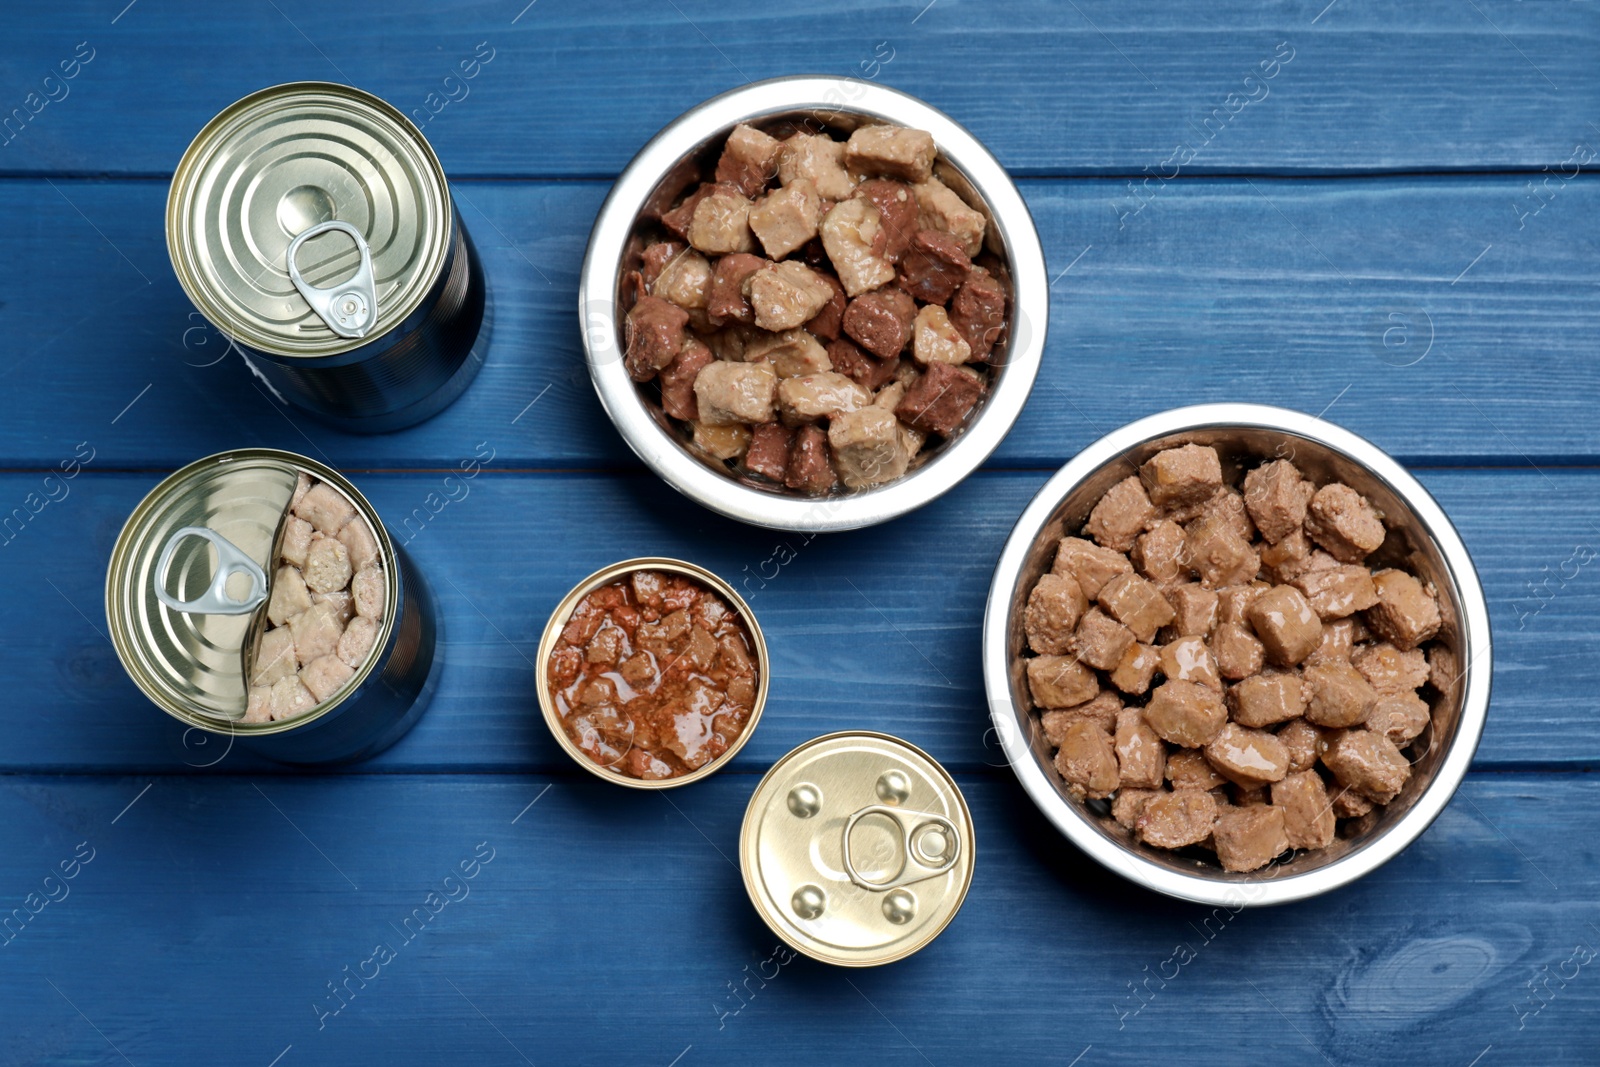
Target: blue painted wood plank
{"points": [[1090, 88], [875, 629], [1413, 311], [610, 926]]}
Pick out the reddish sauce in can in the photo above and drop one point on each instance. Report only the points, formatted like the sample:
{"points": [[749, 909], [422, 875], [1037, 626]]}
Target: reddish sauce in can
{"points": [[654, 675]]}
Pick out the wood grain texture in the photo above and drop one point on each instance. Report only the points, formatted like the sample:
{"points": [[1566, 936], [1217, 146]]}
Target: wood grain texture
{"points": [[875, 629], [610, 927], [1412, 311], [1091, 88]]}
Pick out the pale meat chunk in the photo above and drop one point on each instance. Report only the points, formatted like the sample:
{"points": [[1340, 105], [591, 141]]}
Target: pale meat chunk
{"points": [[1087, 761], [1091, 565], [1128, 805], [1336, 592], [723, 441], [1186, 713], [275, 658], [1337, 695], [302, 485], [316, 632], [818, 159], [1400, 717], [1348, 804], [258, 708], [360, 543], [790, 353], [324, 675], [325, 508], [685, 281], [1100, 641], [1137, 604], [749, 159], [1188, 768], [818, 396], [1367, 763], [1160, 552], [1141, 756], [343, 604], [1308, 820], [1277, 495], [1120, 516], [296, 541], [1101, 711], [1301, 739], [1247, 757], [1060, 682], [1248, 839], [289, 697], [1238, 651], [1389, 670], [941, 209], [1267, 699], [935, 340], [786, 295], [370, 592], [1287, 626], [1136, 668], [1177, 819], [355, 645], [1178, 476], [1343, 522], [721, 224], [1287, 559], [785, 219], [289, 595], [1188, 659], [892, 151], [730, 393], [867, 447], [1406, 613], [851, 231], [327, 566], [1055, 606], [1194, 607]]}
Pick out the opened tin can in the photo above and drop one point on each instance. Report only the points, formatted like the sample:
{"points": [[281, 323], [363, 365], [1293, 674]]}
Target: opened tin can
{"points": [[603, 748], [198, 583], [312, 224], [857, 848]]}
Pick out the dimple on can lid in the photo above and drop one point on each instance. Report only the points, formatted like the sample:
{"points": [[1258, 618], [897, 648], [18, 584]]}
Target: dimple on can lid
{"points": [[857, 848]]}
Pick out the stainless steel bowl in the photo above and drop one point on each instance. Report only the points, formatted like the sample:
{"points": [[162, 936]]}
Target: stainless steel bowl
{"points": [[673, 160], [1420, 538]]}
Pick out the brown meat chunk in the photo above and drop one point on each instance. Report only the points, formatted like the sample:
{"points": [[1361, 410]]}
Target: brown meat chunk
{"points": [[1187, 659], [1302, 741], [978, 310], [1287, 559], [881, 321], [894, 151], [768, 454], [1087, 761], [1335, 592], [653, 335], [1054, 607], [1248, 839], [1337, 695], [1061, 682], [1277, 495], [1233, 601], [721, 440], [1218, 554], [1406, 613], [1141, 756], [1443, 669], [1343, 522], [1400, 717], [810, 470], [1308, 820], [1367, 763], [1179, 476], [1174, 820], [1284, 621], [726, 302], [1121, 515], [1389, 670], [1101, 711], [1137, 604], [1100, 641], [677, 381], [1194, 607], [1188, 768], [1338, 638], [1137, 667], [1128, 805], [940, 400], [1239, 652], [749, 159], [1267, 699], [1159, 552], [1090, 564], [897, 212], [729, 393], [1247, 757], [826, 324], [1186, 713], [933, 267], [867, 371]]}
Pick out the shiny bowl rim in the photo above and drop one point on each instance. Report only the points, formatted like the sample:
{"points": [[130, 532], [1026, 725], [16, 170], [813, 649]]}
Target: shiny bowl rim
{"points": [[610, 573], [1070, 819], [618, 393]]}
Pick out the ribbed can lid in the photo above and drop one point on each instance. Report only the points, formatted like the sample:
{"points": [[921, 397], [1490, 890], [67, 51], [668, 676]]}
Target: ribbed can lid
{"points": [[857, 848], [280, 162]]}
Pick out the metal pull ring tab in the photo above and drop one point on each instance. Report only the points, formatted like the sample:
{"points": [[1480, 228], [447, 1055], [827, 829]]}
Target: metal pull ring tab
{"points": [[215, 600], [350, 308], [930, 844]]}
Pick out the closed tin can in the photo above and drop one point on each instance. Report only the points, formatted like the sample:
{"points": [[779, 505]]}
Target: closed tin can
{"points": [[190, 586], [857, 848], [312, 224]]}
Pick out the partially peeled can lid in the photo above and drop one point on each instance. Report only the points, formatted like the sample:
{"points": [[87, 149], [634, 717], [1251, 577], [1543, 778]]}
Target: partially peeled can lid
{"points": [[308, 217], [857, 848]]}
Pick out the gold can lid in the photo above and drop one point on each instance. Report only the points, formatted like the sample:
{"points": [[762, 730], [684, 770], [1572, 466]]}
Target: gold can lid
{"points": [[857, 848], [330, 174]]}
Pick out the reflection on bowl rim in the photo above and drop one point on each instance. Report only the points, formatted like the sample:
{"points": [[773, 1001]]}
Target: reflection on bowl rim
{"points": [[605, 576], [1212, 885], [619, 394]]}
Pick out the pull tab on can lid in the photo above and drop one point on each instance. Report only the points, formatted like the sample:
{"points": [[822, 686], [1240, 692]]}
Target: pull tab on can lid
{"points": [[280, 169], [857, 848], [188, 576]]}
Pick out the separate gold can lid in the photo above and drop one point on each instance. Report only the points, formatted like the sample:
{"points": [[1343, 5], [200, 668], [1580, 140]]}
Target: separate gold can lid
{"points": [[857, 848], [307, 218]]}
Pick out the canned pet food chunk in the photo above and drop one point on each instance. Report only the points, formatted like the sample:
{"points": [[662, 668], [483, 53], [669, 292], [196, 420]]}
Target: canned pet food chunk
{"points": [[857, 849], [235, 604], [312, 224]]}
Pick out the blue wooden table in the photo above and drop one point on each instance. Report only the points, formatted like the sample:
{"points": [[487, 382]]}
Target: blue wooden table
{"points": [[1398, 228]]}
